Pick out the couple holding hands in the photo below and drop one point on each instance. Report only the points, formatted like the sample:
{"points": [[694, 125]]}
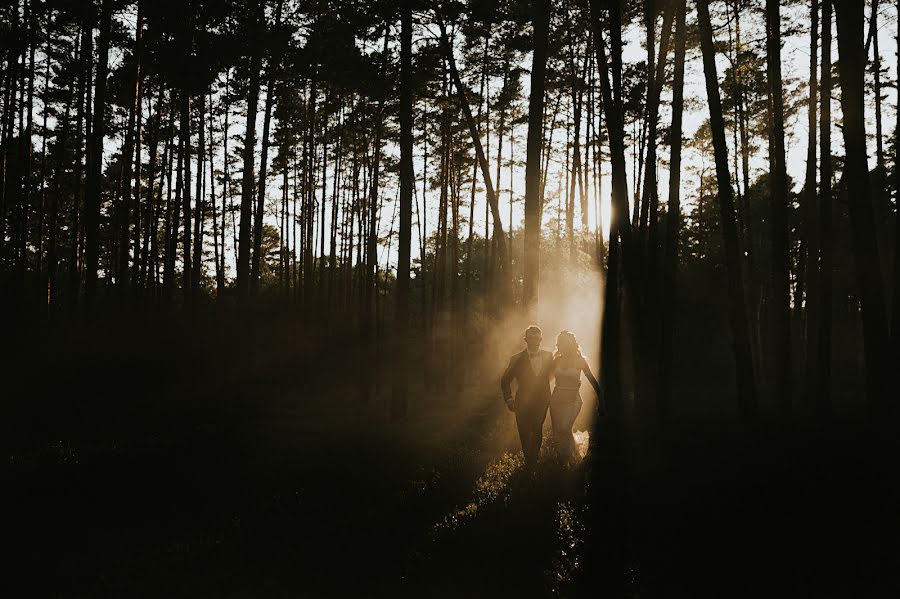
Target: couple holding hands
{"points": [[533, 369]]}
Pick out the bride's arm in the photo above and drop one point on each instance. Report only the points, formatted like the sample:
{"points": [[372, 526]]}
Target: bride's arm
{"points": [[590, 377]]}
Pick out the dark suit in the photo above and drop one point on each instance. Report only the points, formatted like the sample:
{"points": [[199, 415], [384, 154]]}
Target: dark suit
{"points": [[532, 397]]}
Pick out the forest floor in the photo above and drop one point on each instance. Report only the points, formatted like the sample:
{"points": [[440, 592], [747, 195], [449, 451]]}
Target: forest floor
{"points": [[181, 470]]}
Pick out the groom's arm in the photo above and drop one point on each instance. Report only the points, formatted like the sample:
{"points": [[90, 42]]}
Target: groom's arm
{"points": [[507, 378]]}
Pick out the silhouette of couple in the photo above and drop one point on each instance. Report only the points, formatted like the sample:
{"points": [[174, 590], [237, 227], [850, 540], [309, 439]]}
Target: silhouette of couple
{"points": [[533, 369]]}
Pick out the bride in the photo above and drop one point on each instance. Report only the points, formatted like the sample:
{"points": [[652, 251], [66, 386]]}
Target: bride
{"points": [[565, 402]]}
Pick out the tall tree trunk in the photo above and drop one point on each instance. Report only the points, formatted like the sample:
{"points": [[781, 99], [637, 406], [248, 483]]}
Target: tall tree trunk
{"points": [[200, 212], [895, 317], [849, 17], [124, 210], [26, 147], [95, 160], [263, 163], [151, 209], [53, 225], [811, 206], [607, 558], [826, 219], [173, 212], [218, 248], [781, 274], [243, 262], [746, 385], [876, 72], [673, 227], [479, 151], [533, 199], [139, 92], [185, 133], [83, 120], [611, 94]]}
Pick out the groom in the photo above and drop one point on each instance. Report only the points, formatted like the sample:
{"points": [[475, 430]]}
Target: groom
{"points": [[531, 370]]}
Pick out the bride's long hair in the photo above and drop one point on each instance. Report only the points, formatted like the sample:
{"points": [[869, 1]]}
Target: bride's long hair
{"points": [[567, 345]]}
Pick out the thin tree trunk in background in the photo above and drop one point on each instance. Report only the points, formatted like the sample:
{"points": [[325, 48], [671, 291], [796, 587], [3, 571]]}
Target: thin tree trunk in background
{"points": [[218, 249], [42, 203], [95, 160], [26, 147], [139, 93], [200, 212], [83, 120], [185, 133], [323, 204], [471, 236], [849, 18], [895, 317], [650, 190], [479, 151], [642, 191], [881, 196], [826, 219], [165, 180], [811, 205], [876, 72], [125, 209], [309, 193], [263, 164], [174, 208], [781, 274], [6, 127], [533, 200], [59, 157], [512, 163], [243, 262], [612, 111], [739, 327], [369, 315], [673, 227], [143, 266]]}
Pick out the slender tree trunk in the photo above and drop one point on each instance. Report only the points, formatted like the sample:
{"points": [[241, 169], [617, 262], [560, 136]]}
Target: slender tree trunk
{"points": [[175, 219], [53, 226], [218, 249], [26, 147], [263, 164], [849, 17], [479, 150], [612, 111], [185, 133], [139, 93], [95, 160], [83, 120], [811, 208], [876, 72], [781, 274], [533, 199], [895, 318], [125, 208], [673, 227], [243, 262], [746, 383], [826, 211], [200, 212]]}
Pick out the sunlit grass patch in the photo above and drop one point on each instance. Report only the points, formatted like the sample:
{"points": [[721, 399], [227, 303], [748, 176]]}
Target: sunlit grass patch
{"points": [[489, 487], [566, 564]]}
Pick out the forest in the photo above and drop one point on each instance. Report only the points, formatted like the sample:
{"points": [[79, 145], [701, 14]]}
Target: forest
{"points": [[264, 262]]}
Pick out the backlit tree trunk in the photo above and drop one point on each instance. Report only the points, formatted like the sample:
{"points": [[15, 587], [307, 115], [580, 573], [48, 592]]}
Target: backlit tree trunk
{"points": [[746, 384]]}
